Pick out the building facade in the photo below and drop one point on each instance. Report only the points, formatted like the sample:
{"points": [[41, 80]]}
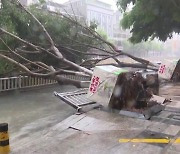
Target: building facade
{"points": [[49, 5], [53, 6], [119, 34], [93, 10], [28, 2], [102, 13]]}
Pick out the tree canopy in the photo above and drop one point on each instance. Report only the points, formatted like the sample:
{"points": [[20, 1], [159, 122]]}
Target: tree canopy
{"points": [[46, 44], [149, 19], [63, 32]]}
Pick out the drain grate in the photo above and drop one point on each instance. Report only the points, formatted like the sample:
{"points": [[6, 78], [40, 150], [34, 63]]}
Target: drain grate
{"points": [[76, 99]]}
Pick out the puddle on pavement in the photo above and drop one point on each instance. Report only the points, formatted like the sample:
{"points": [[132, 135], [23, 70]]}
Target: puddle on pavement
{"points": [[34, 110]]}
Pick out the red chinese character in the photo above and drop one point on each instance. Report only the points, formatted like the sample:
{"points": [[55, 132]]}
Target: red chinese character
{"points": [[91, 89], [94, 84], [162, 69], [97, 79], [93, 80]]}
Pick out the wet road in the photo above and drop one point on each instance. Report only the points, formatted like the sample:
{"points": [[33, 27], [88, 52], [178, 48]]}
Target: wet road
{"points": [[33, 110]]}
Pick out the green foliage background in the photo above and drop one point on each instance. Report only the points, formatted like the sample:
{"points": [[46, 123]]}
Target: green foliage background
{"points": [[149, 19]]}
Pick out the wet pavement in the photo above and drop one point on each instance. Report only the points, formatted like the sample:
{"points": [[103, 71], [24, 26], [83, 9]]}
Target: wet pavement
{"points": [[34, 109], [171, 90], [98, 132], [46, 125]]}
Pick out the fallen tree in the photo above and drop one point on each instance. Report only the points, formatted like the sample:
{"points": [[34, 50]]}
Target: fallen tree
{"points": [[18, 54]]}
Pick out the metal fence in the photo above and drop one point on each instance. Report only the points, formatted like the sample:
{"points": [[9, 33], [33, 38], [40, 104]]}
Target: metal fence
{"points": [[12, 83], [77, 77]]}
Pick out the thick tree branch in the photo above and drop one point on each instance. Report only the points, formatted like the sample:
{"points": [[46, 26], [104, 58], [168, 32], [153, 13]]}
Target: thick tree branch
{"points": [[51, 74], [97, 36], [21, 57], [27, 43], [79, 84], [53, 47], [85, 53], [22, 66], [20, 50], [40, 48]]}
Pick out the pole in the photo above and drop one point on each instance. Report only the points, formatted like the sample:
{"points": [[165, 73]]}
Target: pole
{"points": [[4, 139]]}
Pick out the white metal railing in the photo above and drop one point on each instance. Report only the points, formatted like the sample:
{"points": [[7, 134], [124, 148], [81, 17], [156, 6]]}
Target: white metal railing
{"points": [[77, 77], [12, 83]]}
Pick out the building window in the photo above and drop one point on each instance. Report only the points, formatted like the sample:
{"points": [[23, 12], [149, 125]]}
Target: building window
{"points": [[88, 17], [99, 18]]}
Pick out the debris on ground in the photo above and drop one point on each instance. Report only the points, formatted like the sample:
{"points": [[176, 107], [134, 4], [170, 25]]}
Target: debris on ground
{"points": [[119, 88], [170, 70], [159, 99], [103, 83], [131, 93]]}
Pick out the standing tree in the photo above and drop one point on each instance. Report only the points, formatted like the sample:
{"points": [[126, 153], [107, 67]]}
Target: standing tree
{"points": [[149, 19]]}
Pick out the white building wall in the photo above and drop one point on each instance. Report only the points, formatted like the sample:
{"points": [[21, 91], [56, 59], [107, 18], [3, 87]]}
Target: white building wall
{"points": [[92, 10], [77, 7], [28, 2], [104, 18]]}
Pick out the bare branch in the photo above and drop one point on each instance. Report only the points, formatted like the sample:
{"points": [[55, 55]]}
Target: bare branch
{"points": [[85, 53], [28, 43], [20, 65], [53, 47], [121, 64], [51, 74], [4, 51], [63, 80], [92, 46], [97, 36], [40, 48], [20, 50], [18, 55]]}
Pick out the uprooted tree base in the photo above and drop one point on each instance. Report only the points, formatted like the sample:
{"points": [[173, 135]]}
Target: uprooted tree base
{"points": [[134, 91]]}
